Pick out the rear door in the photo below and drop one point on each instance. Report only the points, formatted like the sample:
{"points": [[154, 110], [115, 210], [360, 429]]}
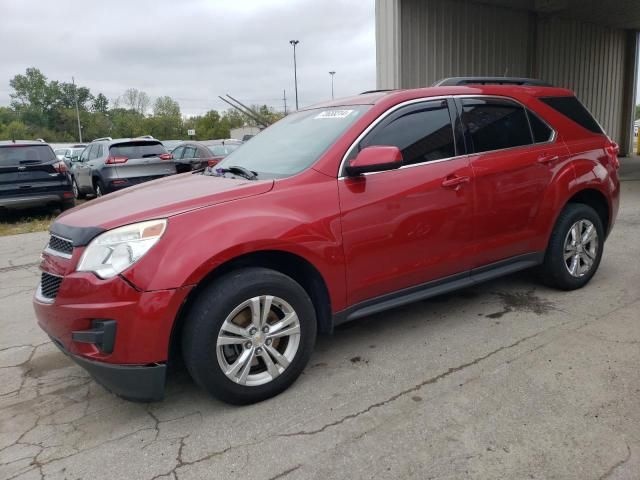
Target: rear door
{"points": [[145, 160], [26, 169], [512, 172]]}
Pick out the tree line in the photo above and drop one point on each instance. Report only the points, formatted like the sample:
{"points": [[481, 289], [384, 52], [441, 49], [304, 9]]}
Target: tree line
{"points": [[42, 108]]}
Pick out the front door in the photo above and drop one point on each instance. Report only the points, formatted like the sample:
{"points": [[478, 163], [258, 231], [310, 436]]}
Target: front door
{"points": [[409, 226]]}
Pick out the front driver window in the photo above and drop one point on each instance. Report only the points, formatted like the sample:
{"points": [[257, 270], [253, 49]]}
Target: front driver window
{"points": [[423, 132]]}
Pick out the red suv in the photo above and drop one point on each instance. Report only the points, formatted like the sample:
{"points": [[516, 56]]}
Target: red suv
{"points": [[333, 213]]}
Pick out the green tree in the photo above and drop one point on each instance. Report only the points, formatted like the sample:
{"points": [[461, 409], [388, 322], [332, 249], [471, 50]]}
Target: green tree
{"points": [[637, 112], [166, 106], [100, 104], [15, 130]]}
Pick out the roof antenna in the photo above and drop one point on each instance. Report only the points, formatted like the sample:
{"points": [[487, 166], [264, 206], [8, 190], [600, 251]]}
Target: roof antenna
{"points": [[506, 71]]}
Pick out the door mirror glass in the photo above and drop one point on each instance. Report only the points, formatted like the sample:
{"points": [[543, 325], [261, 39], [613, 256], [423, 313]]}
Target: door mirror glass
{"points": [[376, 158]]}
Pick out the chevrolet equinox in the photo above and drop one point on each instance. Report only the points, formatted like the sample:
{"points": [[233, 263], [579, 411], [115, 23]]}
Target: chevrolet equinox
{"points": [[333, 213]]}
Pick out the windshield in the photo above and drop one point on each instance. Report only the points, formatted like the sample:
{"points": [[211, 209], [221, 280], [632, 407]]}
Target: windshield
{"points": [[23, 154], [221, 150], [294, 143]]}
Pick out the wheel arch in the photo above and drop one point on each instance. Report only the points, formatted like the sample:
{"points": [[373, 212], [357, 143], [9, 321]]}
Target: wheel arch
{"points": [[287, 263], [596, 200]]}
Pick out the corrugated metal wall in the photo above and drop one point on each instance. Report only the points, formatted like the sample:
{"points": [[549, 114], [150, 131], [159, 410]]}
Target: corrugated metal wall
{"points": [[387, 43], [421, 41], [445, 38], [589, 59]]}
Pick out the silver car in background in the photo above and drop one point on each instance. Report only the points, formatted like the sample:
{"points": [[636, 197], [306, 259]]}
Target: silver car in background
{"points": [[107, 165]]}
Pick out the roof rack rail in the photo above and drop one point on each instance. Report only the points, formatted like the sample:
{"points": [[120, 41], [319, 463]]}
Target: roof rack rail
{"points": [[377, 91], [461, 81], [102, 139], [150, 137]]}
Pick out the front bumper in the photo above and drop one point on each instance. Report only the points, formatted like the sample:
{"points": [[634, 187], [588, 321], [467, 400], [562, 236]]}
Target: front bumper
{"points": [[140, 383], [132, 365]]}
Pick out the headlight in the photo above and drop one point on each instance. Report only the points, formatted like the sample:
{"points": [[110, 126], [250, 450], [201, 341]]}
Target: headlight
{"points": [[116, 250]]}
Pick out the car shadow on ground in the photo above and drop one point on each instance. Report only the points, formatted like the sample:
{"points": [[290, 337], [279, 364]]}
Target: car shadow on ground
{"points": [[514, 293]]}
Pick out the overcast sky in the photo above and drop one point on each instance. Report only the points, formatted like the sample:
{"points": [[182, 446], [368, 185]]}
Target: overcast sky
{"points": [[193, 50]]}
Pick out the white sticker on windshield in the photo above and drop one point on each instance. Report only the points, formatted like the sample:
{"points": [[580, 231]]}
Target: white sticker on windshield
{"points": [[334, 114]]}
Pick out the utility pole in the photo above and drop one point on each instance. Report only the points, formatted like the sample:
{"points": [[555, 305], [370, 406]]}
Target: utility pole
{"points": [[75, 99], [332, 73], [295, 69], [284, 99]]}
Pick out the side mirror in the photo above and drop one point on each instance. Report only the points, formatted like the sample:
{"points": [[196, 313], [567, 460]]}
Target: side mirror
{"points": [[375, 159]]}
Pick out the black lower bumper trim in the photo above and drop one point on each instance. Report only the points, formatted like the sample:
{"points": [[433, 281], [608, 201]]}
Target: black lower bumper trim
{"points": [[139, 383]]}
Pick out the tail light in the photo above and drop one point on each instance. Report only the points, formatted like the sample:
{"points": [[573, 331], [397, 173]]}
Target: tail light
{"points": [[612, 150], [166, 156], [212, 162], [114, 160], [60, 167]]}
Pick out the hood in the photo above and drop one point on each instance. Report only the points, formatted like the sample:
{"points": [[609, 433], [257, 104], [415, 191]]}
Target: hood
{"points": [[160, 199]]}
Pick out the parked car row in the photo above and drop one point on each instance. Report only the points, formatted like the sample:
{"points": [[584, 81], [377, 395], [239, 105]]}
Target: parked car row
{"points": [[32, 174]]}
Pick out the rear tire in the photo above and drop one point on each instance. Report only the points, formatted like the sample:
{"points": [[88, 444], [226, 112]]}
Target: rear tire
{"points": [[68, 205], [230, 362], [100, 188], [575, 248], [78, 195]]}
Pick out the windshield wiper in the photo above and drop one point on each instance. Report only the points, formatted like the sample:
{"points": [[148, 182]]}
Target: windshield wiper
{"points": [[240, 171]]}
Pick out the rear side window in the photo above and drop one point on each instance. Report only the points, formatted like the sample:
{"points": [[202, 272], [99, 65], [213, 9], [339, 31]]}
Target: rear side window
{"points": [[15, 155], [137, 149], [571, 108], [540, 130], [495, 124], [423, 133]]}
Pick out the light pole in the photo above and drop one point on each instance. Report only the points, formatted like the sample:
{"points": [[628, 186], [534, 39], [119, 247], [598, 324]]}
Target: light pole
{"points": [[295, 71], [332, 74], [75, 99]]}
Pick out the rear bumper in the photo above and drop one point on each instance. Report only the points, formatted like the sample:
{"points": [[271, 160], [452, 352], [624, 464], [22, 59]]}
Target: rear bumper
{"points": [[140, 383], [36, 199], [124, 182]]}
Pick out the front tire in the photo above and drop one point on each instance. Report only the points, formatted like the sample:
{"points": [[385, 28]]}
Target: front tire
{"points": [[249, 335], [575, 248]]}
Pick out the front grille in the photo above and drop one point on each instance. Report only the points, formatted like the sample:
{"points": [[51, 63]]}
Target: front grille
{"points": [[61, 245], [49, 285]]}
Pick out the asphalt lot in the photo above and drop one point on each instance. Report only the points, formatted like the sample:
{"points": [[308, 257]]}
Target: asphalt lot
{"points": [[507, 380]]}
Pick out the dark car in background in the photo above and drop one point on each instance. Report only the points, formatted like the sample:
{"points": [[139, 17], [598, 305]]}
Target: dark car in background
{"points": [[196, 155], [107, 165], [32, 176]]}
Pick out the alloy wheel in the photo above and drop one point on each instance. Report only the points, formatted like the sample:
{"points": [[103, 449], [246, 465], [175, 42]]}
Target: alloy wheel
{"points": [[581, 248], [258, 340]]}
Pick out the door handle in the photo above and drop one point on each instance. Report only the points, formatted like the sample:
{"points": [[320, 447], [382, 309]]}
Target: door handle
{"points": [[455, 181], [548, 159]]}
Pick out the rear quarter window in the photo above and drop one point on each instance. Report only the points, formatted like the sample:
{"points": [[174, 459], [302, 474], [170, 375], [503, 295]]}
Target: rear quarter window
{"points": [[25, 154], [571, 108], [137, 149]]}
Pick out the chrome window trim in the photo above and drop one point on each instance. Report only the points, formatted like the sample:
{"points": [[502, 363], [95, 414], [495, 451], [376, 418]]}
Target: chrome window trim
{"points": [[388, 112], [57, 253]]}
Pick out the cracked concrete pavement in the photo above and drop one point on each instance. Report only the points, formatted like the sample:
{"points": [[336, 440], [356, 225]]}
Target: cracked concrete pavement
{"points": [[507, 380]]}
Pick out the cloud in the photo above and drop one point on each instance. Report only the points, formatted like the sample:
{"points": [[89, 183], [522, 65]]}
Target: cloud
{"points": [[194, 50]]}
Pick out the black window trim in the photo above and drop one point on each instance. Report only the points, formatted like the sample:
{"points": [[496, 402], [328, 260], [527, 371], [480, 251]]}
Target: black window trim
{"points": [[383, 116], [455, 118], [554, 134]]}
